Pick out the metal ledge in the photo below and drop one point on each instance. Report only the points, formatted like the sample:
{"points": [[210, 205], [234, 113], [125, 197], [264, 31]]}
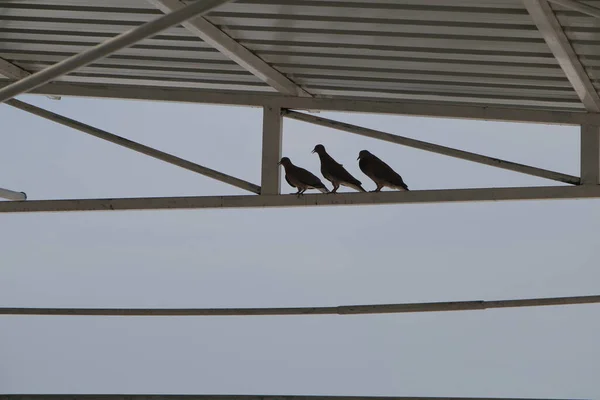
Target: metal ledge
{"points": [[338, 199]]}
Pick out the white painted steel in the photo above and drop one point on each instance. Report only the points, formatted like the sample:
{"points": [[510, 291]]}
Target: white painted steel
{"points": [[559, 44], [590, 154], [485, 53], [108, 47], [212, 35], [140, 148], [271, 151], [366, 105], [309, 200], [12, 195]]}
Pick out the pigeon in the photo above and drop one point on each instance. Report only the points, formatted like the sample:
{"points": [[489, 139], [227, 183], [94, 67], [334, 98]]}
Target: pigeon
{"points": [[335, 172], [300, 178], [381, 173]]}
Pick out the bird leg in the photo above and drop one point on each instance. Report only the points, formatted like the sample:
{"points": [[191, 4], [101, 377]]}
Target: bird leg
{"points": [[378, 189], [336, 186]]}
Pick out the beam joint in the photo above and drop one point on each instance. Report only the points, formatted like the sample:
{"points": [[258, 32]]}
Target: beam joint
{"points": [[233, 50], [552, 32], [271, 150], [590, 154]]}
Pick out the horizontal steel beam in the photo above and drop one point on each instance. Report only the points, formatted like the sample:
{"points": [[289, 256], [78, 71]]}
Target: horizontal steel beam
{"points": [[340, 310], [108, 47], [140, 148], [236, 397], [442, 110], [309, 200], [12, 195], [434, 148]]}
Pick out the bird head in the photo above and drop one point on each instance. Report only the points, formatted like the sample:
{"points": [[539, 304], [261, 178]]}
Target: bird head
{"points": [[319, 149], [363, 154], [284, 161]]}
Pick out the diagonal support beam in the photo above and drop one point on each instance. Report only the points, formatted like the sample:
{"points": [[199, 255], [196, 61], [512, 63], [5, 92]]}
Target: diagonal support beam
{"points": [[309, 200], [579, 6], [140, 148], [559, 44], [108, 47], [434, 148], [212, 35], [12, 195]]}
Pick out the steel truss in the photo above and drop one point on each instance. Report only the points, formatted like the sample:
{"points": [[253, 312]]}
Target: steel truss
{"points": [[291, 99]]}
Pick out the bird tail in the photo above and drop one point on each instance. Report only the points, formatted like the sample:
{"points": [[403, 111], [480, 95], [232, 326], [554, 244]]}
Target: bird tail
{"points": [[323, 189], [357, 187]]}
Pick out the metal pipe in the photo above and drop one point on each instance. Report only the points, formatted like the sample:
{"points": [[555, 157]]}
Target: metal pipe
{"points": [[339, 310], [12, 195], [108, 47]]}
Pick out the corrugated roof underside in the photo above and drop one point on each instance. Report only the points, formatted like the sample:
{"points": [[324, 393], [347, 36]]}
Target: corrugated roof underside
{"points": [[461, 51]]}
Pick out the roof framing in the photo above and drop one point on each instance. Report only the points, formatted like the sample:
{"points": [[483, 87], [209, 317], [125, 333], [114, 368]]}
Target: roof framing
{"points": [[578, 6], [366, 105], [107, 47], [212, 35], [559, 44]]}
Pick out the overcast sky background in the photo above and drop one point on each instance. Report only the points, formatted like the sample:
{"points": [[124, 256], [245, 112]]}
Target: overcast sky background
{"points": [[291, 257]]}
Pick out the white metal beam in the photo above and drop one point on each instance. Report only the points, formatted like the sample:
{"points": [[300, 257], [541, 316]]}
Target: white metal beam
{"points": [[309, 200], [579, 6], [590, 154], [218, 39], [140, 148], [441, 110], [339, 310], [12, 195], [434, 148], [271, 151], [559, 44], [108, 47]]}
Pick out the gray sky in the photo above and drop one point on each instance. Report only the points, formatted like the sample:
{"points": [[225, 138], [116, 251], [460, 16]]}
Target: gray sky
{"points": [[291, 257]]}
